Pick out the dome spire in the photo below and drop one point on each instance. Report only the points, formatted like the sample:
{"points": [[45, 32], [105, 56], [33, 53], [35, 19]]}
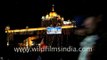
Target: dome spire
{"points": [[53, 7]]}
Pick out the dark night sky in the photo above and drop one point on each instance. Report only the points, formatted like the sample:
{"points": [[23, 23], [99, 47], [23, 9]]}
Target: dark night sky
{"points": [[22, 13]]}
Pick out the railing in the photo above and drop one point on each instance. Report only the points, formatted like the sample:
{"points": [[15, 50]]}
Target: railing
{"points": [[33, 29]]}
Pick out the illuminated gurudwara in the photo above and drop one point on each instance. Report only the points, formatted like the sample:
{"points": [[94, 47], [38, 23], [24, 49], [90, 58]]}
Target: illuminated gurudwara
{"points": [[50, 20], [54, 20]]}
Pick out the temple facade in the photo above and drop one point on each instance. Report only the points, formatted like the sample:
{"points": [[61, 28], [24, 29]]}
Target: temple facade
{"points": [[36, 36], [54, 20]]}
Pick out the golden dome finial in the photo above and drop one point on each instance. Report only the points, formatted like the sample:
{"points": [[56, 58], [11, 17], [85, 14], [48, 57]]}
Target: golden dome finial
{"points": [[53, 7]]}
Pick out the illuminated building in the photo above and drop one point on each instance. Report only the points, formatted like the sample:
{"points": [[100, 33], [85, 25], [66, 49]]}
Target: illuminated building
{"points": [[50, 20], [53, 20]]}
